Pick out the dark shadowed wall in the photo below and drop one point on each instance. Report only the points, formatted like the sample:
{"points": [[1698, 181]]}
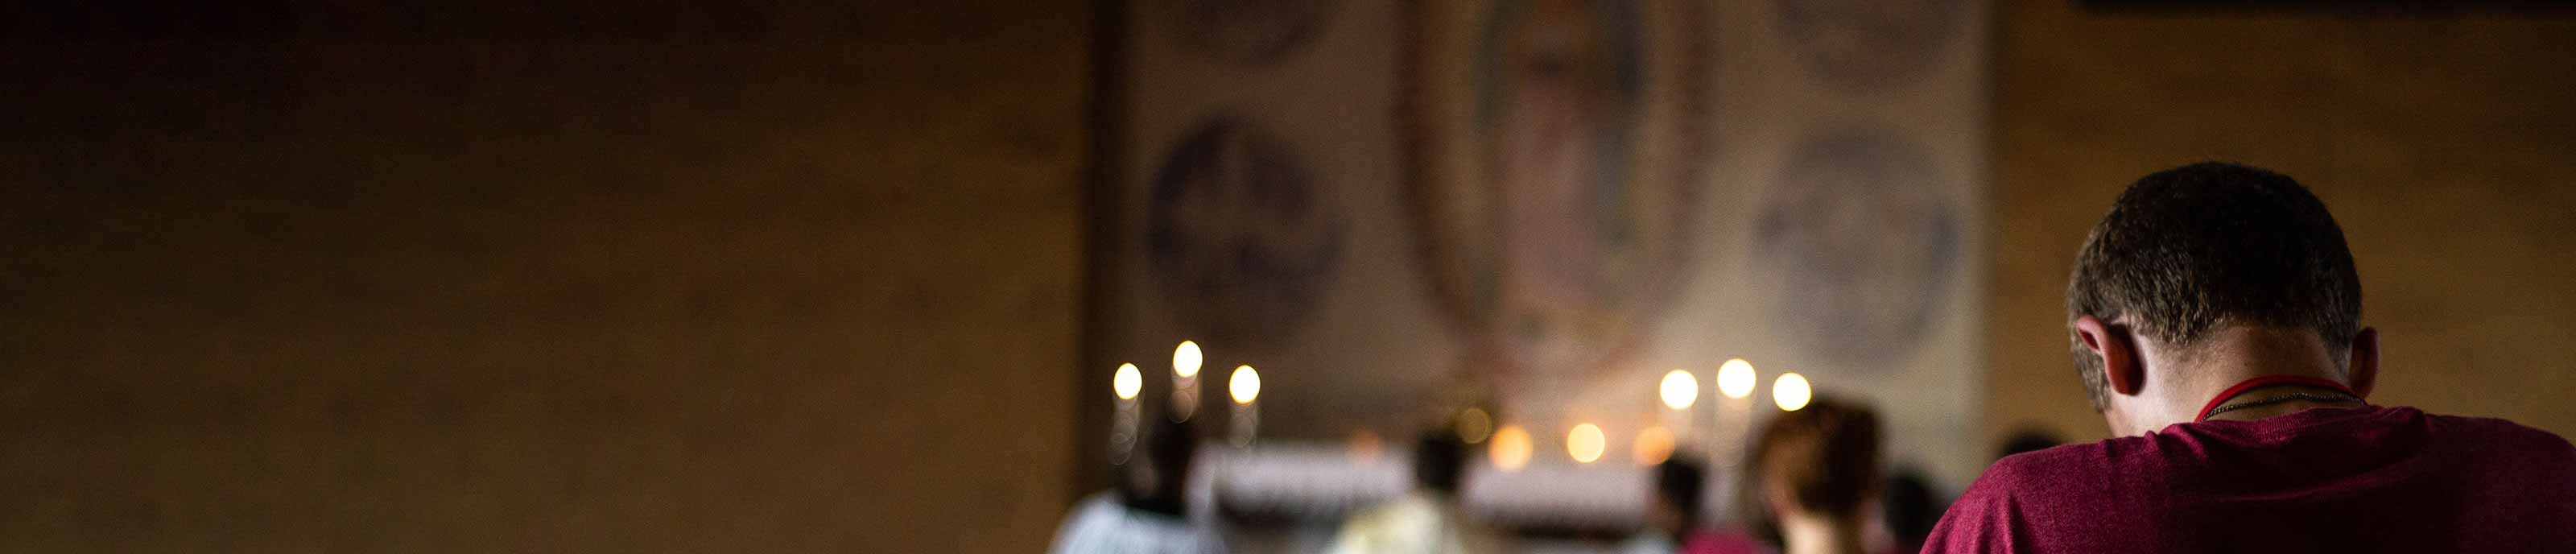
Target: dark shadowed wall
{"points": [[2442, 141], [494, 278]]}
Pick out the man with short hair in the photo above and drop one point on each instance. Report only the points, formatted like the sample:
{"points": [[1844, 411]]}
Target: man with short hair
{"points": [[2215, 317]]}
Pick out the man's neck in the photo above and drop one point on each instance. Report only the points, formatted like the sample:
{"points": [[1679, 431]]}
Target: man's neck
{"points": [[1801, 534], [2235, 354]]}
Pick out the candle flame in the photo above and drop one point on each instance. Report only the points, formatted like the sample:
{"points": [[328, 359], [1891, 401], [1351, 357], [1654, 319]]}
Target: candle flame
{"points": [[1127, 382]]}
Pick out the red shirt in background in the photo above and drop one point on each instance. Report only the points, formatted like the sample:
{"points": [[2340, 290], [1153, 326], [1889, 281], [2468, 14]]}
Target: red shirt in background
{"points": [[1730, 541], [2369, 479]]}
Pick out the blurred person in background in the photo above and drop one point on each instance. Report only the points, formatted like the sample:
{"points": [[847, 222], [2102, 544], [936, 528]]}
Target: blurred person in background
{"points": [[2215, 317], [1147, 514], [1812, 480], [1910, 506], [1426, 520], [1673, 513]]}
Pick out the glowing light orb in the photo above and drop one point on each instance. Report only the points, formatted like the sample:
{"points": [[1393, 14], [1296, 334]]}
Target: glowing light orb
{"points": [[1585, 443], [1510, 449], [1366, 445], [1186, 359], [1790, 392], [1735, 379], [1680, 389], [1654, 445], [1245, 385], [1127, 382]]}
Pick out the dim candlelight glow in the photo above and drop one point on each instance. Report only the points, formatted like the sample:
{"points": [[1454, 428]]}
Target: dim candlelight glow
{"points": [[1127, 382], [1186, 359], [1585, 443], [1680, 389], [1654, 445], [1790, 392], [1735, 379], [1474, 426], [1245, 385], [1511, 448], [1366, 446]]}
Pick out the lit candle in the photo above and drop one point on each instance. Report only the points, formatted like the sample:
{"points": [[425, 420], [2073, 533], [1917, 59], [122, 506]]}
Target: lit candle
{"points": [[1735, 381], [1185, 380], [1245, 387], [1126, 383], [1791, 392], [1585, 443], [1680, 391], [1510, 448], [1736, 378], [1653, 446]]}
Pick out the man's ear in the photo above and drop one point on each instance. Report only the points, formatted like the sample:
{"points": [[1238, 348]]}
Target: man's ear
{"points": [[2121, 367], [2364, 364]]}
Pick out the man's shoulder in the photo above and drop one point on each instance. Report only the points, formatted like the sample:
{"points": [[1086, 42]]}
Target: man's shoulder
{"points": [[2502, 436], [2081, 473], [2045, 500], [2063, 461], [2496, 427]]}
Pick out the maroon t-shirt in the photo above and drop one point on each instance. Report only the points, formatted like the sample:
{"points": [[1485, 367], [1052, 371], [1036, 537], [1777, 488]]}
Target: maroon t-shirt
{"points": [[2369, 479]]}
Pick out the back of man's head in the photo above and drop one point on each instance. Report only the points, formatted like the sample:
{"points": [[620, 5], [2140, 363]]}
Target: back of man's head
{"points": [[2187, 250]]}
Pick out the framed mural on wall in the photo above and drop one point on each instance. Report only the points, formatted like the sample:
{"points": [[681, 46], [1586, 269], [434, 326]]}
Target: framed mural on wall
{"points": [[1553, 179], [1538, 208]]}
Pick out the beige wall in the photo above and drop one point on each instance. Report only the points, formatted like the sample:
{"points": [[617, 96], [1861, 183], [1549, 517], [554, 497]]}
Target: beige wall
{"points": [[531, 279], [2442, 143]]}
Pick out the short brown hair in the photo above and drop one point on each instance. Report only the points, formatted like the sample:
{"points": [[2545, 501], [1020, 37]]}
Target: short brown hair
{"points": [[2188, 249], [1826, 454]]}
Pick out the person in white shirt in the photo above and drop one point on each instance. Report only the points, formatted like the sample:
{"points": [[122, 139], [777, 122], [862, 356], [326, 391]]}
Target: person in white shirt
{"points": [[1147, 512], [1428, 519]]}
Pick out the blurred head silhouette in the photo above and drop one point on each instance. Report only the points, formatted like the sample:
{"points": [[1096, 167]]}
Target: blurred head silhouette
{"points": [[1157, 480], [1675, 508], [1813, 475], [2029, 439], [1439, 461], [1911, 508]]}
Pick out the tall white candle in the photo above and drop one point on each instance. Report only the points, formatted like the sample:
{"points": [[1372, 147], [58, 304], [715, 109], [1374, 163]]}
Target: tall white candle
{"points": [[1680, 393], [1126, 383], [1245, 388], [1735, 381], [1185, 380]]}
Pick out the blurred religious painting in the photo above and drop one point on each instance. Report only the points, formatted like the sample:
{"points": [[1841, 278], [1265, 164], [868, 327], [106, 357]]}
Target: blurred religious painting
{"points": [[1863, 238], [1871, 45], [1239, 236], [1251, 32], [1554, 187]]}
